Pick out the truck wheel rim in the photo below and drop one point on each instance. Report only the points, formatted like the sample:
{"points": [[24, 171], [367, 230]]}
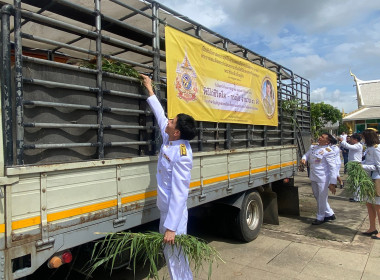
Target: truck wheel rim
{"points": [[252, 215]]}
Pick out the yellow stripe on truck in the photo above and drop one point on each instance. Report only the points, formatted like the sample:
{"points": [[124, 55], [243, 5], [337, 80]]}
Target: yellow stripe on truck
{"points": [[128, 199], [26, 223], [239, 174], [81, 210], [195, 184], [215, 180], [274, 166], [137, 197], [258, 170]]}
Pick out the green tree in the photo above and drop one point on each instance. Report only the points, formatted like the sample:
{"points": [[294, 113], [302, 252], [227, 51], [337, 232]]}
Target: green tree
{"points": [[321, 114]]}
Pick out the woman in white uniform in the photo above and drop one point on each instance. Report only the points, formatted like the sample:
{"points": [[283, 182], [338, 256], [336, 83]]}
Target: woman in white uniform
{"points": [[372, 165]]}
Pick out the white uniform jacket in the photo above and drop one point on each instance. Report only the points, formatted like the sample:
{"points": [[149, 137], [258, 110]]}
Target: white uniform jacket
{"points": [[372, 161], [336, 150], [338, 161], [175, 162], [322, 164], [355, 151]]}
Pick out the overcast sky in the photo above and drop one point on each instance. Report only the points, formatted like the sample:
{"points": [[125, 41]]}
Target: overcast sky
{"points": [[319, 40]]}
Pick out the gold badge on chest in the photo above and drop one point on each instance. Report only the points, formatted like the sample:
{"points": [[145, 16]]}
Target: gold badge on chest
{"points": [[165, 156]]}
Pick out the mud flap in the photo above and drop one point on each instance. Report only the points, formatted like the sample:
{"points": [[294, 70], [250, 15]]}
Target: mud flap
{"points": [[269, 199], [287, 198]]}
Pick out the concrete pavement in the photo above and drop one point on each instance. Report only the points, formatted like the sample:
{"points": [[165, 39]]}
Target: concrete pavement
{"points": [[297, 250]]}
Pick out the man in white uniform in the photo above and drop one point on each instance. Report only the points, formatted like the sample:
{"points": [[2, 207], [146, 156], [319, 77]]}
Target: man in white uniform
{"points": [[355, 147], [355, 153], [174, 166], [322, 175], [343, 136]]}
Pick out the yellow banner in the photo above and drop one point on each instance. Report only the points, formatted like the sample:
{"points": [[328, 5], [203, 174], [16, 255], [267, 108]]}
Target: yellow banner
{"points": [[213, 85]]}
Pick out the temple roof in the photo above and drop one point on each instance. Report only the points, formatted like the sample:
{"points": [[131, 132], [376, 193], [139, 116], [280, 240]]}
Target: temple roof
{"points": [[368, 92], [364, 113]]}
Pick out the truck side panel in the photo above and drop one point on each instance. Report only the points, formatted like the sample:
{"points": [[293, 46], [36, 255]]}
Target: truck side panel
{"points": [[77, 200]]}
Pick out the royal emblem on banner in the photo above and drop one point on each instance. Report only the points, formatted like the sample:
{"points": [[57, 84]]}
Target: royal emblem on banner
{"points": [[186, 81]]}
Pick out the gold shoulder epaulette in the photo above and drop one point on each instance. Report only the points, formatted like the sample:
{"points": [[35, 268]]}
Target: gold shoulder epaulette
{"points": [[328, 149], [183, 150], [376, 145], [316, 143]]}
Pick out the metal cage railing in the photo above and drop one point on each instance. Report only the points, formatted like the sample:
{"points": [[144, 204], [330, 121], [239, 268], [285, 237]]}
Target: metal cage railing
{"points": [[57, 112]]}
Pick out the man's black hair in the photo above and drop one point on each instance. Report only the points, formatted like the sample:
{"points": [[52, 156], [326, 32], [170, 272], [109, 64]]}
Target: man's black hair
{"points": [[356, 136], [187, 126], [331, 138]]}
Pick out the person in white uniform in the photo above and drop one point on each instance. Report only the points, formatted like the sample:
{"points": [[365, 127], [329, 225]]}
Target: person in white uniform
{"points": [[338, 161], [343, 136], [372, 165], [175, 162], [322, 175], [355, 153]]}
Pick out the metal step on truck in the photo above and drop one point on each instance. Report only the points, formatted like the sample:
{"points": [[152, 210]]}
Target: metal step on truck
{"points": [[79, 143]]}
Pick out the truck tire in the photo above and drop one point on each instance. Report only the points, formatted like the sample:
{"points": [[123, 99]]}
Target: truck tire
{"points": [[249, 219]]}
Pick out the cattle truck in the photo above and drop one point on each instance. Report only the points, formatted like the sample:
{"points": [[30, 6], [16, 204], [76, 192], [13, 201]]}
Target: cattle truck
{"points": [[79, 144]]}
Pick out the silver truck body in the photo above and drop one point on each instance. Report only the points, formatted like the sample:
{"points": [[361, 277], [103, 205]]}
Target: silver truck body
{"points": [[79, 145]]}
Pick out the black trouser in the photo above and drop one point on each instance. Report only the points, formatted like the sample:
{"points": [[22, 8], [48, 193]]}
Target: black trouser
{"points": [[345, 160]]}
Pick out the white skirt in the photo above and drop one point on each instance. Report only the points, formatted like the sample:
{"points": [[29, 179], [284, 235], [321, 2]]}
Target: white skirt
{"points": [[377, 200]]}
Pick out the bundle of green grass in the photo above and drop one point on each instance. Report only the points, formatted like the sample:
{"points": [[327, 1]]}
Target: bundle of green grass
{"points": [[147, 248], [112, 66], [359, 182]]}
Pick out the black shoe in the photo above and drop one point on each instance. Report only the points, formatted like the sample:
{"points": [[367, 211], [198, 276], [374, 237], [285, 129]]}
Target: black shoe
{"points": [[342, 186], [353, 200], [375, 237], [370, 233], [317, 222], [330, 218]]}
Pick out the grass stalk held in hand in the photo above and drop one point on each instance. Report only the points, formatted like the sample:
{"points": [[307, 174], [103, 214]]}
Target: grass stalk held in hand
{"points": [[359, 182], [148, 249]]}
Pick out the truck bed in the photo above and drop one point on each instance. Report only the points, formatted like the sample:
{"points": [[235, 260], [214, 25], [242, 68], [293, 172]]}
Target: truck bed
{"points": [[56, 206]]}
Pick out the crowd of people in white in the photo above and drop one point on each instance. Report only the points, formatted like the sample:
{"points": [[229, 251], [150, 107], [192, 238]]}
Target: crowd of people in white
{"points": [[324, 160]]}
